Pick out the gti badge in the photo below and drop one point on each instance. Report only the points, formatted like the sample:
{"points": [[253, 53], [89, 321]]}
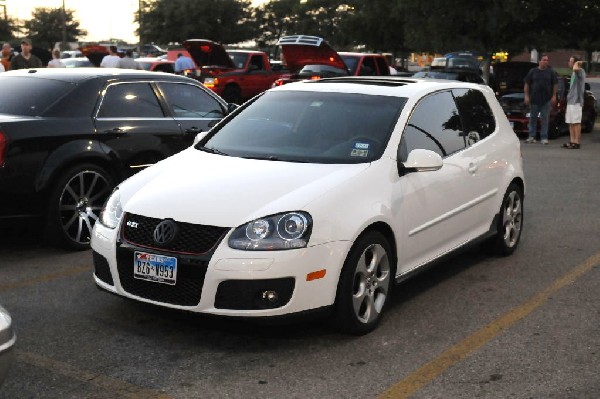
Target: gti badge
{"points": [[133, 225]]}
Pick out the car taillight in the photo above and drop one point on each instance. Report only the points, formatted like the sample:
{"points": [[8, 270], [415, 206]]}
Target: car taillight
{"points": [[315, 77], [3, 146], [278, 82]]}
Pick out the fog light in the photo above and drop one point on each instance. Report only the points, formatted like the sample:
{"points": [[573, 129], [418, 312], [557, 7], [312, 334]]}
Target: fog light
{"points": [[270, 296]]}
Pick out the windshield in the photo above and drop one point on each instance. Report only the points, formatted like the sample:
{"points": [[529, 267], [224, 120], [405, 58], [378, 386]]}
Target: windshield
{"points": [[316, 127], [30, 96]]}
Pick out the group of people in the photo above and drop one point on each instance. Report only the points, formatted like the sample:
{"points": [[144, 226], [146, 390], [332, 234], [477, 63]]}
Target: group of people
{"points": [[26, 59], [541, 87]]}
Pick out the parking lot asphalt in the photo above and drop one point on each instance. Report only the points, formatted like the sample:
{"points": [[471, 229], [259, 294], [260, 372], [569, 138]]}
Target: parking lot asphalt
{"points": [[525, 326]]}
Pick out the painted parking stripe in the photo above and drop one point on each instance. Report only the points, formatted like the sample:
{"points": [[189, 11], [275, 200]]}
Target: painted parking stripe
{"points": [[428, 372], [114, 387]]}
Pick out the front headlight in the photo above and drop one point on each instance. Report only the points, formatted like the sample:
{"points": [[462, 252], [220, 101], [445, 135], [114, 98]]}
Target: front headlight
{"points": [[289, 230], [112, 211]]}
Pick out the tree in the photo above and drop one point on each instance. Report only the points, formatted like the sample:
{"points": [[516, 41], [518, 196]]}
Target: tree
{"points": [[45, 27], [167, 21], [7, 29]]}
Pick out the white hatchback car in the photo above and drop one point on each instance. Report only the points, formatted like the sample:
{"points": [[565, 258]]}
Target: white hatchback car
{"points": [[317, 195]]}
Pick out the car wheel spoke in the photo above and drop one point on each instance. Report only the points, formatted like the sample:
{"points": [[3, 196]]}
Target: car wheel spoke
{"points": [[371, 283], [512, 219]]}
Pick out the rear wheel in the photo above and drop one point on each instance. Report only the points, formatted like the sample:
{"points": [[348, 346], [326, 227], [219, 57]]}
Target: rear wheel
{"points": [[75, 205], [232, 94], [365, 285], [510, 223]]}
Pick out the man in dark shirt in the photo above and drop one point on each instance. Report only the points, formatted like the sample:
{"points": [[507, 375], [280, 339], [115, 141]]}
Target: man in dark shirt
{"points": [[541, 86], [25, 60]]}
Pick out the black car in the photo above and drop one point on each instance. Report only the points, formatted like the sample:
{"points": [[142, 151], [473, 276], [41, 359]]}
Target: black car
{"points": [[68, 136]]}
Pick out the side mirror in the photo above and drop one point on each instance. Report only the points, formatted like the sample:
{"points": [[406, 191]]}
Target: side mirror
{"points": [[199, 137], [231, 107], [420, 160]]}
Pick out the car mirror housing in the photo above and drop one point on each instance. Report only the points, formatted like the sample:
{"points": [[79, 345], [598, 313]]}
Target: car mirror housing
{"points": [[420, 160]]}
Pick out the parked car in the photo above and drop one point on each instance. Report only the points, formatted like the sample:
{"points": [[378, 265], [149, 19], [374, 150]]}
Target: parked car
{"points": [[311, 57], [321, 195], [71, 54], [77, 62], [460, 74], [156, 64], [8, 339], [518, 113], [67, 136]]}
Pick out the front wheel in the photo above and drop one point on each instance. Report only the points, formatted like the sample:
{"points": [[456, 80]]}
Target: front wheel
{"points": [[75, 205], [365, 285]]}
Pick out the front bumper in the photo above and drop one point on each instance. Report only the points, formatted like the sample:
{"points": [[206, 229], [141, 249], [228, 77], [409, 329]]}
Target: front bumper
{"points": [[227, 282]]}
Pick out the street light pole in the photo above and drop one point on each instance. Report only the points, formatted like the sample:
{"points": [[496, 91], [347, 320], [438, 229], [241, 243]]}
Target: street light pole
{"points": [[64, 27]]}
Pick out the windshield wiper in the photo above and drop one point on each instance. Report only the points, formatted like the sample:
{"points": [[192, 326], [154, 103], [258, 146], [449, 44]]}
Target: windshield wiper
{"points": [[212, 150]]}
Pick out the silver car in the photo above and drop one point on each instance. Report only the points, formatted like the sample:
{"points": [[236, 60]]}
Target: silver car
{"points": [[7, 342]]}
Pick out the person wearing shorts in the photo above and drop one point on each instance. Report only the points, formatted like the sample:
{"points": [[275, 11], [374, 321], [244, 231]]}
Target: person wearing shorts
{"points": [[575, 103]]}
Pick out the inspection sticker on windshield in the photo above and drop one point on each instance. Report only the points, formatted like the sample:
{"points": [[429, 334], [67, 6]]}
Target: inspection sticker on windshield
{"points": [[155, 268], [360, 150]]}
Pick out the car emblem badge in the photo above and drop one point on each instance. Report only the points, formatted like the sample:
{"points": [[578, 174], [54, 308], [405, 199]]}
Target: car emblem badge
{"points": [[165, 232]]}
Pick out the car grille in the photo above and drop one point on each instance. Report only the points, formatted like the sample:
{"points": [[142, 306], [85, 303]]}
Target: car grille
{"points": [[191, 238], [186, 292]]}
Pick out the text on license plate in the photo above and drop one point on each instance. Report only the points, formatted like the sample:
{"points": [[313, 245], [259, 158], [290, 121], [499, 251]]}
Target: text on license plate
{"points": [[155, 268]]}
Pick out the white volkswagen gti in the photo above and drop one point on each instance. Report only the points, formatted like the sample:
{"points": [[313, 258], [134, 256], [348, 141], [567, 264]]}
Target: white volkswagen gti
{"points": [[316, 196]]}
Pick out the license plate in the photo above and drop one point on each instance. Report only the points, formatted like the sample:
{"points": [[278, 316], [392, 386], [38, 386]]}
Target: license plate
{"points": [[155, 268]]}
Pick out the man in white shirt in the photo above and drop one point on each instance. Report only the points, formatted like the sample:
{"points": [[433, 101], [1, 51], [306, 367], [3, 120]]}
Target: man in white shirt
{"points": [[112, 59]]}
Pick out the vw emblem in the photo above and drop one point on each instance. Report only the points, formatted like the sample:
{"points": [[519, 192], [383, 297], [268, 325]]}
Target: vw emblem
{"points": [[165, 232]]}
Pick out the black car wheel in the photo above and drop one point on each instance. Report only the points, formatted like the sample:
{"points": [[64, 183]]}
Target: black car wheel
{"points": [[232, 94], [75, 205], [365, 285]]}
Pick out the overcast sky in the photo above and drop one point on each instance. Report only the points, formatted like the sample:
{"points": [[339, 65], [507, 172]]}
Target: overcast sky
{"points": [[103, 19]]}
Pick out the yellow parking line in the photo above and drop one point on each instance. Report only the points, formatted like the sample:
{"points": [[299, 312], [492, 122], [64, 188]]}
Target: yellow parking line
{"points": [[425, 374], [113, 386], [45, 278]]}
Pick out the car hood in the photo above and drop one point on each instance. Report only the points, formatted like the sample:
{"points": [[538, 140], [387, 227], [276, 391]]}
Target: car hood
{"points": [[298, 55], [208, 53], [203, 188], [509, 76]]}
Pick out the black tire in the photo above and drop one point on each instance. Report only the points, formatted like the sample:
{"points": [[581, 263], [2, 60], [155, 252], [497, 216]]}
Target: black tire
{"points": [[75, 204], [232, 94], [365, 285], [510, 223]]}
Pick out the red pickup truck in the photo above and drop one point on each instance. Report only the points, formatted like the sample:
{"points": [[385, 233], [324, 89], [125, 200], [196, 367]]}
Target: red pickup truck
{"points": [[235, 75]]}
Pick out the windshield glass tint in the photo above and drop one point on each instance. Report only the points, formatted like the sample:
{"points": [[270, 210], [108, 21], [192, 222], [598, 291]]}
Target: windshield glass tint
{"points": [[315, 127], [30, 96]]}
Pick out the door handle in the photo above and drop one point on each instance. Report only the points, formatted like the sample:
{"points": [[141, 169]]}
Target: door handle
{"points": [[193, 130], [115, 130], [473, 166]]}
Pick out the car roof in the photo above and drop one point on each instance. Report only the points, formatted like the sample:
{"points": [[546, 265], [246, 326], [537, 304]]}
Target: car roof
{"points": [[379, 85], [81, 74]]}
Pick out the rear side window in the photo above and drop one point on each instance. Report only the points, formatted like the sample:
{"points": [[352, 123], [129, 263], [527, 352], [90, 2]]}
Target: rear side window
{"points": [[30, 96], [384, 69], [130, 100], [435, 125], [477, 116], [189, 101]]}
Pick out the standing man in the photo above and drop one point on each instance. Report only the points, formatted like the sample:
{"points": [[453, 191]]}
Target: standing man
{"points": [[183, 63], [128, 62], [541, 86], [26, 59], [112, 59], [575, 103]]}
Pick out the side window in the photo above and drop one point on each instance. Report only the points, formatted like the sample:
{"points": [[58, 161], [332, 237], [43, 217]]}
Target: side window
{"points": [[477, 116], [384, 69], [368, 67], [130, 100], [189, 101], [256, 63], [434, 125]]}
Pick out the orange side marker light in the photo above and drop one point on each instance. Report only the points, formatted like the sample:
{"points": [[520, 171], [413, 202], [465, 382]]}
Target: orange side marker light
{"points": [[316, 275]]}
